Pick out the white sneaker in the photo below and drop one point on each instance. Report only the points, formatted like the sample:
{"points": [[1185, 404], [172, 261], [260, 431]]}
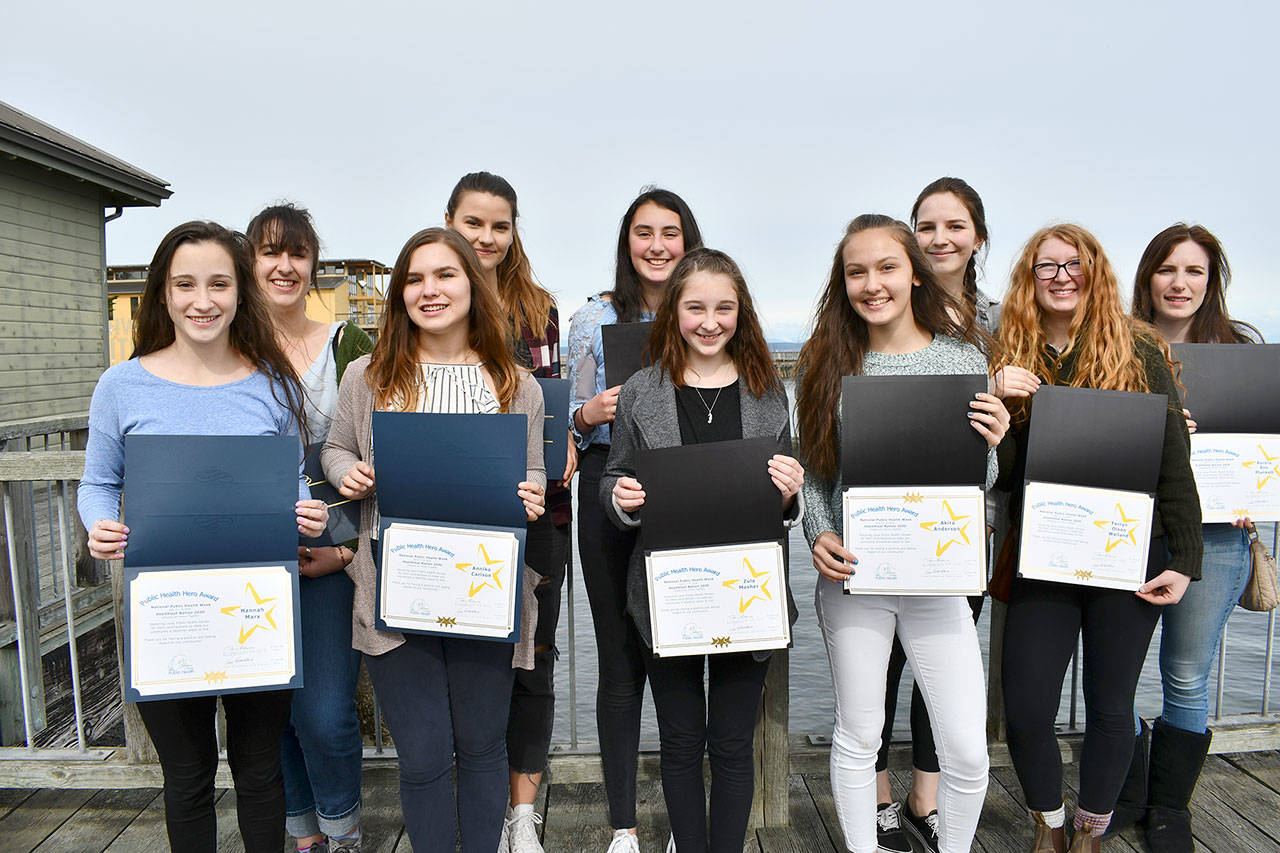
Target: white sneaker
{"points": [[523, 833], [624, 842]]}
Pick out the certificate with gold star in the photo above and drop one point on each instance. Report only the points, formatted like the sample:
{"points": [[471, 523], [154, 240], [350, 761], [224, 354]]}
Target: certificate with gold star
{"points": [[454, 580], [929, 540], [218, 630], [728, 598], [1237, 475], [1085, 535]]}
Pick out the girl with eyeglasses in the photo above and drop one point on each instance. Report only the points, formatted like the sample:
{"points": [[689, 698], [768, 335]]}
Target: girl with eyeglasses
{"points": [[1063, 321]]}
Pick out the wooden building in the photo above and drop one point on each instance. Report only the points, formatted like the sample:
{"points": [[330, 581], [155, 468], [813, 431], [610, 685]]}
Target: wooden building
{"points": [[346, 289], [55, 194]]}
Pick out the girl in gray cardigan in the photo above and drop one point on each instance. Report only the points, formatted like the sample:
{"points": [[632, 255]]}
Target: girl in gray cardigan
{"points": [[441, 348], [713, 380]]}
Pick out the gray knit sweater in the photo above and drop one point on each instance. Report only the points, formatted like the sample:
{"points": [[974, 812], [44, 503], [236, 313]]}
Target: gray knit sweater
{"points": [[823, 499]]}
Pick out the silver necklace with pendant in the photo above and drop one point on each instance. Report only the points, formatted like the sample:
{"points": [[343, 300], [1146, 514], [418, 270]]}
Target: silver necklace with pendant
{"points": [[703, 401]]}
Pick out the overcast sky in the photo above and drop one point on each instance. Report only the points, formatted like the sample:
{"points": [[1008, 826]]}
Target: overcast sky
{"points": [[778, 122]]}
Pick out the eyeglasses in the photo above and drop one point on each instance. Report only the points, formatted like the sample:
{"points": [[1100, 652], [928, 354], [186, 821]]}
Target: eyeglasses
{"points": [[1049, 271]]}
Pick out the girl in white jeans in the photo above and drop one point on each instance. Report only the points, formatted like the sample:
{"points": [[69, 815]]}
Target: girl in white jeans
{"points": [[883, 312]]}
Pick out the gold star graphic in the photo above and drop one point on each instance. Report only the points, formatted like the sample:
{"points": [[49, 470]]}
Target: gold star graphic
{"points": [[483, 562], [745, 602], [962, 530], [1264, 468], [254, 612], [1117, 532]]}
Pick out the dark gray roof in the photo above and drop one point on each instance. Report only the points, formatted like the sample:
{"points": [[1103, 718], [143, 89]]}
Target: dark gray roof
{"points": [[29, 138]]}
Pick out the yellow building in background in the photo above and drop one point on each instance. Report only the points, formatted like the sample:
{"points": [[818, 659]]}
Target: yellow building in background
{"points": [[346, 289]]}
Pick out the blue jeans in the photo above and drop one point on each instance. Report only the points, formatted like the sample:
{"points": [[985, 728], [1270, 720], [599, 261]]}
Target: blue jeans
{"points": [[1191, 629], [441, 696], [321, 751]]}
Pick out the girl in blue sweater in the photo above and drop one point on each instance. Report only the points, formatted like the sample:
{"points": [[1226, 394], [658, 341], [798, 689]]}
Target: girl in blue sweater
{"points": [[205, 362]]}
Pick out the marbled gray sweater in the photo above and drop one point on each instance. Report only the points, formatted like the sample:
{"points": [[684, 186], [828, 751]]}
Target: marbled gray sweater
{"points": [[823, 499]]}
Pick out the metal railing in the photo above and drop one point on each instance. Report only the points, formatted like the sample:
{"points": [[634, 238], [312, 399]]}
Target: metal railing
{"points": [[56, 593]]}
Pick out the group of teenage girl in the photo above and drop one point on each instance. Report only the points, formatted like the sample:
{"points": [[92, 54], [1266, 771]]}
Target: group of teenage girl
{"points": [[223, 345]]}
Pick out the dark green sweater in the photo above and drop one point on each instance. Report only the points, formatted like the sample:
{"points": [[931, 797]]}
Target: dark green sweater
{"points": [[1177, 505]]}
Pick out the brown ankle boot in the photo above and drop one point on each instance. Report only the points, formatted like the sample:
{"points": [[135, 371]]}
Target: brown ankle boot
{"points": [[1048, 839], [1085, 842]]}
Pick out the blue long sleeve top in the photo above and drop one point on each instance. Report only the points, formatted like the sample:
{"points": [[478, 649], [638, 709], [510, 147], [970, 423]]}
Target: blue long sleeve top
{"points": [[128, 399]]}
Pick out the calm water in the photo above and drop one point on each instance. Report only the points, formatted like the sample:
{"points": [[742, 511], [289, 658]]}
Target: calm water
{"points": [[812, 708]]}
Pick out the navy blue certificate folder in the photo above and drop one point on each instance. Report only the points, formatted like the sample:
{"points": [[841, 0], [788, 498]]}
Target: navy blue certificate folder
{"points": [[911, 431], [450, 471], [210, 502], [344, 514], [555, 426]]}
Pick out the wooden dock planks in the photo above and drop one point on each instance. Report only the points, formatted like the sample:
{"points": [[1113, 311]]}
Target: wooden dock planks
{"points": [[1236, 808]]}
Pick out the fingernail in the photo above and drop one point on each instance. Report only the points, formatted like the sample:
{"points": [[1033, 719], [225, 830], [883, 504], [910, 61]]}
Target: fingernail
{"points": [[855, 561], [126, 530]]}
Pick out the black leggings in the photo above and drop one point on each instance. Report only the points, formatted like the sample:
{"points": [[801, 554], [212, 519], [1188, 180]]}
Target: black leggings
{"points": [[183, 733], [718, 721], [924, 755], [533, 696], [605, 552], [1040, 633]]}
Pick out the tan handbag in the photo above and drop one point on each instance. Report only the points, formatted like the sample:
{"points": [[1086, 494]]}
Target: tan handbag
{"points": [[1260, 594]]}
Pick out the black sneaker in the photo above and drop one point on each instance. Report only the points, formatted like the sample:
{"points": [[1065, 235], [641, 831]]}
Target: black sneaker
{"points": [[889, 834], [923, 828]]}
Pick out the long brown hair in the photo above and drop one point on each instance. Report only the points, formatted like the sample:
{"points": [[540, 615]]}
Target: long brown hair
{"points": [[972, 202], [747, 347], [1101, 335], [1211, 324], [528, 302], [840, 337], [393, 374], [628, 292], [251, 335]]}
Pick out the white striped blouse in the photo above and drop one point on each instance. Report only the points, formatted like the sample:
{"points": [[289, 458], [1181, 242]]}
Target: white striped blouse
{"points": [[449, 389]]}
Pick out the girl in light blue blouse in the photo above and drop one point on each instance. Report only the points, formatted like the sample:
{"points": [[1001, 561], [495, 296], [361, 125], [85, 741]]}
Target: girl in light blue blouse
{"points": [[657, 229]]}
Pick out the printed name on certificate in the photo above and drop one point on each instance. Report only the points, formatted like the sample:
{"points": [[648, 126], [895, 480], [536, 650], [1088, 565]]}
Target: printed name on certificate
{"points": [[205, 629], [718, 599], [449, 580], [930, 540], [1237, 476]]}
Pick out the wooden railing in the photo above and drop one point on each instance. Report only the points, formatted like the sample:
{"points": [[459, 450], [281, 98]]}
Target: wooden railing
{"points": [[58, 586]]}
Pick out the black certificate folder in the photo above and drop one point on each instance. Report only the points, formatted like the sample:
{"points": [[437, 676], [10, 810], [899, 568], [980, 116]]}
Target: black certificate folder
{"points": [[211, 571], [1231, 387], [456, 472], [1100, 439], [625, 346], [911, 431], [718, 493]]}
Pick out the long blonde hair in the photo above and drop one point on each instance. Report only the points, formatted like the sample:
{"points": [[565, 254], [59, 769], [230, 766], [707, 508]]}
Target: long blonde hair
{"points": [[1102, 336]]}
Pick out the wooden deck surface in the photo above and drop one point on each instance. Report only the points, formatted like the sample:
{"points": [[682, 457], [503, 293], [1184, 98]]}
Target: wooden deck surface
{"points": [[1236, 810]]}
